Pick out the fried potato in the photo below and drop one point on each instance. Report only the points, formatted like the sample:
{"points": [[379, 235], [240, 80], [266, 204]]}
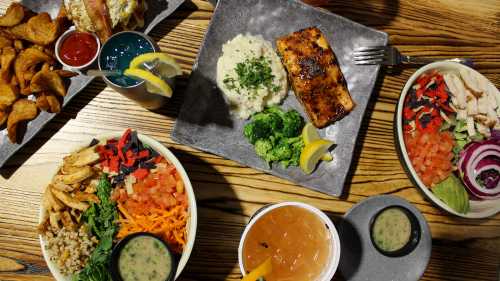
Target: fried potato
{"points": [[8, 94], [54, 104], [88, 156], [5, 42], [6, 59], [41, 101], [18, 45], [39, 29], [27, 59], [14, 15], [69, 201], [63, 73], [49, 202], [82, 174], [60, 185], [48, 81], [82, 196], [67, 221], [22, 110], [54, 218], [3, 116]]}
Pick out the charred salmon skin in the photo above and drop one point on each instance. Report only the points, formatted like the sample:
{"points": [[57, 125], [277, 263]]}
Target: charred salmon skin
{"points": [[315, 76]]}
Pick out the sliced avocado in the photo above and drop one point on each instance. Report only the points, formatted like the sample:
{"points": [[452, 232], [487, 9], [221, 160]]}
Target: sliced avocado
{"points": [[452, 192]]}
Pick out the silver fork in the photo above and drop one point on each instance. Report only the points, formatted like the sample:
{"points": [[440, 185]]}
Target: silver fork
{"points": [[388, 55]]}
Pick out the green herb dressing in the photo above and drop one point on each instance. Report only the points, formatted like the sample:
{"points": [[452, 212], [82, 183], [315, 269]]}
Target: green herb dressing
{"points": [[391, 230], [144, 259]]}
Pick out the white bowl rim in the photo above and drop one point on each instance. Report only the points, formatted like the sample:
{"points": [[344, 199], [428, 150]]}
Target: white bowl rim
{"points": [[335, 245], [66, 34], [402, 147], [193, 215]]}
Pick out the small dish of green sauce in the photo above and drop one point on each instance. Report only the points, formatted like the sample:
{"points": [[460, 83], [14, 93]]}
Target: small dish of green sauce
{"points": [[142, 257], [394, 231]]}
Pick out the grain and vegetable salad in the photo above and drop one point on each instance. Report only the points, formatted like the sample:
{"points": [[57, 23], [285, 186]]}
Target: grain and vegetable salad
{"points": [[451, 124], [104, 192]]}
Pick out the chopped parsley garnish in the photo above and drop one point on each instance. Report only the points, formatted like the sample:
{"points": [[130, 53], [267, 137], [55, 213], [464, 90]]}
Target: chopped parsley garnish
{"points": [[253, 74]]}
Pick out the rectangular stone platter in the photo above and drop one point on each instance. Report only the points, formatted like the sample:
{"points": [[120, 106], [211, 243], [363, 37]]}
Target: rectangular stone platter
{"points": [[204, 121], [156, 12]]}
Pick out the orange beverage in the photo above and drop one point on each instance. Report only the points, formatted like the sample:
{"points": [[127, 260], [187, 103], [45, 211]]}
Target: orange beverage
{"points": [[297, 239]]}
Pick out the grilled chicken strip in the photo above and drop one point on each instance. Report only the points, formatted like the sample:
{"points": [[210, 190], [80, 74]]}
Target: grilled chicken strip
{"points": [[315, 76], [99, 15]]}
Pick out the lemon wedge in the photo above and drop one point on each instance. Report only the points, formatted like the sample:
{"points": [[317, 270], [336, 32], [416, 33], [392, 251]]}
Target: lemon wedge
{"points": [[154, 84], [161, 64], [260, 271], [310, 134], [312, 153]]}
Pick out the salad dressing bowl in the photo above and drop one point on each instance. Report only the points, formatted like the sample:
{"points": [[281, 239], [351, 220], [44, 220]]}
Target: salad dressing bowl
{"points": [[478, 208]]}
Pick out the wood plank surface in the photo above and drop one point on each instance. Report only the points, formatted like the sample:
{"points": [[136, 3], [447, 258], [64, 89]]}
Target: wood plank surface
{"points": [[228, 193]]}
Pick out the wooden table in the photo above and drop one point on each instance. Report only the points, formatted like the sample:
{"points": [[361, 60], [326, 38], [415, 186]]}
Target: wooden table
{"points": [[228, 193]]}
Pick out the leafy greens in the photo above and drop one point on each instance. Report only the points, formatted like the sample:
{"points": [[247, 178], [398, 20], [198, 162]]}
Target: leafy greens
{"points": [[101, 219]]}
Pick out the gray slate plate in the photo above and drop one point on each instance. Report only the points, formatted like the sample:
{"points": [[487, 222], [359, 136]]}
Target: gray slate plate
{"points": [[204, 121], [157, 11], [360, 260]]}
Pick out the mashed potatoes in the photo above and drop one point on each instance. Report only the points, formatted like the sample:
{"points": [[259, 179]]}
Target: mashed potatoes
{"points": [[250, 74]]}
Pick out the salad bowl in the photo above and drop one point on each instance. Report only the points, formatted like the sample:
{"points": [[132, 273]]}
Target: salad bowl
{"points": [[477, 208], [191, 224]]}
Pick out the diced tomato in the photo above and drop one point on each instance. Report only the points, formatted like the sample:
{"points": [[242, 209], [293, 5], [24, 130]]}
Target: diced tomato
{"points": [[431, 155]]}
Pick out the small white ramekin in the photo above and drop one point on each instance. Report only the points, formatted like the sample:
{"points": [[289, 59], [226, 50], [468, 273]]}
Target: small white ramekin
{"points": [[334, 259], [63, 37]]}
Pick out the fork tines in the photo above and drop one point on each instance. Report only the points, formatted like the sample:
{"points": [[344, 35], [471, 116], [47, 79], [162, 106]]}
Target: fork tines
{"points": [[369, 55]]}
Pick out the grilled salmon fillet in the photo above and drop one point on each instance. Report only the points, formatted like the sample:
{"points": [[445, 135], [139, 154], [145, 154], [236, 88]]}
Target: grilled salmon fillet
{"points": [[315, 76]]}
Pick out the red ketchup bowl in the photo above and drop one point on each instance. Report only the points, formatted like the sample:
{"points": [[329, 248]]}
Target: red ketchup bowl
{"points": [[76, 49]]}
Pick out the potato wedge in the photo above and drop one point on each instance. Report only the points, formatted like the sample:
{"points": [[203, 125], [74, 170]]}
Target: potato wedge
{"points": [[60, 185], [39, 29], [54, 104], [49, 202], [67, 221], [28, 59], [63, 73], [3, 116], [48, 81], [5, 42], [70, 201], [14, 15], [82, 174], [8, 94], [18, 45], [88, 156], [89, 197], [22, 110], [54, 218], [41, 101], [6, 59]]}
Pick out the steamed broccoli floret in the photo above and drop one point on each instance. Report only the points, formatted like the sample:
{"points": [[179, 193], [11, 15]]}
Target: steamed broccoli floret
{"points": [[276, 135], [292, 124], [256, 130], [262, 147]]}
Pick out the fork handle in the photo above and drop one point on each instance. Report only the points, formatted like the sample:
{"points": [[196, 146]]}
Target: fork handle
{"points": [[419, 60]]}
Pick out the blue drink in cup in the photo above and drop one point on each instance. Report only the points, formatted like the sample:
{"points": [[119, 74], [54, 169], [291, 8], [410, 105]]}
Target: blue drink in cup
{"points": [[116, 54]]}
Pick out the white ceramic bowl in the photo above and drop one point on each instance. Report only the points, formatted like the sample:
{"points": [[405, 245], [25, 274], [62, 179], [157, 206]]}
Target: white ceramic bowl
{"points": [[479, 209], [192, 220], [63, 37], [334, 260]]}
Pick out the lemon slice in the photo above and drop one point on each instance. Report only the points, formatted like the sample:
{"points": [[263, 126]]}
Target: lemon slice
{"points": [[310, 134], [260, 271], [154, 84], [312, 153], [161, 64]]}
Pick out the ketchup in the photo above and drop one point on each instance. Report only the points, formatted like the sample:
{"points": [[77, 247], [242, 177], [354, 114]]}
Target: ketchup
{"points": [[78, 49]]}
